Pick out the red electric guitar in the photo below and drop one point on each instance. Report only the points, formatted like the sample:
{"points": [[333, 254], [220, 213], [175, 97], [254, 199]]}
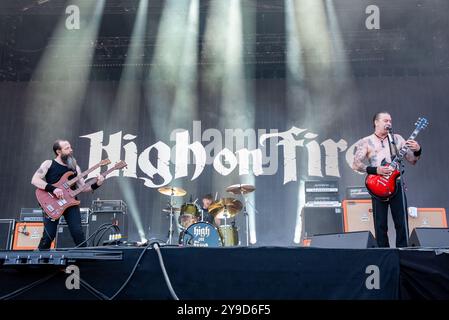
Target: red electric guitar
{"points": [[384, 187], [55, 207]]}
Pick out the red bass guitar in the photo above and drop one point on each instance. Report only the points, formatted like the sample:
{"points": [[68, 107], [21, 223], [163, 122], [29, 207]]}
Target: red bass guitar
{"points": [[53, 206], [384, 187]]}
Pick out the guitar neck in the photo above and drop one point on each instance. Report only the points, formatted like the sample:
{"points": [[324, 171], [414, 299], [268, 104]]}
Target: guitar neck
{"points": [[91, 182], [403, 150], [83, 174]]}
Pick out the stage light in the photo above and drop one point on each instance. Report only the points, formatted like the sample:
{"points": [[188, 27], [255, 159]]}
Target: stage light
{"points": [[172, 98], [127, 106], [317, 74], [225, 76], [58, 85]]}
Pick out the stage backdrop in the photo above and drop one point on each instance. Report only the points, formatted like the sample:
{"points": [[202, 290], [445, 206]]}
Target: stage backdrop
{"points": [[273, 125]]}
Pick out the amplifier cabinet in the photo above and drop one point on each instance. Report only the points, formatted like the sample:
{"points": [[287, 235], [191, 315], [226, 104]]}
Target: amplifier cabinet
{"points": [[27, 235], [428, 218], [321, 220], [358, 216]]}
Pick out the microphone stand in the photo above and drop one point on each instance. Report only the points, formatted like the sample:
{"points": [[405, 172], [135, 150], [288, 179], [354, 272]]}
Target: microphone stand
{"points": [[170, 231], [401, 181]]}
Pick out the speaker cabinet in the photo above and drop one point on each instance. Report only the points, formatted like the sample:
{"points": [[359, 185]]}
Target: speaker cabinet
{"points": [[64, 238], [100, 218], [27, 235], [430, 238], [428, 218], [6, 233], [358, 216], [321, 220], [350, 240]]}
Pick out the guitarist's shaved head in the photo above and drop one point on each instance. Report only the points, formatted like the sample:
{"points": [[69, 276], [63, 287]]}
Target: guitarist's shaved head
{"points": [[57, 145]]}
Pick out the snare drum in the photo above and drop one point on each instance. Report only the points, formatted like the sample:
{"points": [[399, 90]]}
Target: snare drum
{"points": [[229, 235], [189, 215], [201, 234]]}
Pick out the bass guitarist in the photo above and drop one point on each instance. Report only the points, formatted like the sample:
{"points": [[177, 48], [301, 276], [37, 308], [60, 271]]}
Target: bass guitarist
{"points": [[51, 172], [370, 156]]}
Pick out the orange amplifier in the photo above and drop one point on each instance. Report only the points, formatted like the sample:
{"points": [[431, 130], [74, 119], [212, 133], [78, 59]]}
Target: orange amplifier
{"points": [[428, 218], [358, 216], [27, 235]]}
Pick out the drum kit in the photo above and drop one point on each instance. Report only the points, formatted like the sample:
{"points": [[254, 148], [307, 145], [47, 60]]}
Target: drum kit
{"points": [[196, 230]]}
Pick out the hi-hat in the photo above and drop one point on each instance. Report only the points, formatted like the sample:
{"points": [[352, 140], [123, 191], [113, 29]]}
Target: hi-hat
{"points": [[168, 210], [240, 188], [172, 191], [225, 208]]}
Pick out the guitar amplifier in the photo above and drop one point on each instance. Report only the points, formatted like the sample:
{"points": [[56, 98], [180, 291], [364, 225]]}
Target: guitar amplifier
{"points": [[322, 197], [6, 233], [354, 193], [428, 218], [108, 206], [358, 216], [321, 221], [117, 218], [321, 186], [27, 235], [85, 212], [31, 215]]}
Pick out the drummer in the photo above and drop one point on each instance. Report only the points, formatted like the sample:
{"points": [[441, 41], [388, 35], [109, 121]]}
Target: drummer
{"points": [[207, 200]]}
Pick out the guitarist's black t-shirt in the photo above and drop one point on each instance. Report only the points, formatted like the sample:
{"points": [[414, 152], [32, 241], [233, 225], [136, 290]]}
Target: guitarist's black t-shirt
{"points": [[56, 171]]}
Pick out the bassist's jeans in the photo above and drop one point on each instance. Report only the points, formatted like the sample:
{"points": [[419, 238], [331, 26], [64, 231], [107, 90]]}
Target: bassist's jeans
{"points": [[73, 217], [380, 212]]}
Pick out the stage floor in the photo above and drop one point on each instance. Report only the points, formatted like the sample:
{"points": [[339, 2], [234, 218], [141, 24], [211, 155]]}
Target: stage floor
{"points": [[225, 273]]}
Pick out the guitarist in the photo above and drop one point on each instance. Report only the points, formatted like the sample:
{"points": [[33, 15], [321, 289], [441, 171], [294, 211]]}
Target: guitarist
{"points": [[49, 173], [372, 150]]}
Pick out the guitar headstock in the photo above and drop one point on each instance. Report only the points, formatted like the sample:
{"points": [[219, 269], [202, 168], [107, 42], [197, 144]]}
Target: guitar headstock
{"points": [[421, 123], [105, 162], [120, 165]]}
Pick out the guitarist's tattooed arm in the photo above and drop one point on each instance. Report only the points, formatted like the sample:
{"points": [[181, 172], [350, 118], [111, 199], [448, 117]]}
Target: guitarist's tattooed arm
{"points": [[38, 179]]}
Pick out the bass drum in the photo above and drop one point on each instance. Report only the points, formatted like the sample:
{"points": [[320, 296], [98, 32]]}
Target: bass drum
{"points": [[201, 234]]}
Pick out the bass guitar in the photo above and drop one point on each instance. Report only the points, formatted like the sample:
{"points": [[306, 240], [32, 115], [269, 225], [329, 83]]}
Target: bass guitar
{"points": [[53, 206]]}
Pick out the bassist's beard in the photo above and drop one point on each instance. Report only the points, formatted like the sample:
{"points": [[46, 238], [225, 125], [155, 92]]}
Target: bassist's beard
{"points": [[70, 161]]}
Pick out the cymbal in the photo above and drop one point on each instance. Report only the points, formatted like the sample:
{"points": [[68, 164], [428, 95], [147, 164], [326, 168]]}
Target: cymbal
{"points": [[172, 191], [174, 209], [230, 206], [240, 188]]}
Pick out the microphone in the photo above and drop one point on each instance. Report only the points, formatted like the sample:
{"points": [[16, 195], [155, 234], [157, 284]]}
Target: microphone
{"points": [[389, 130]]}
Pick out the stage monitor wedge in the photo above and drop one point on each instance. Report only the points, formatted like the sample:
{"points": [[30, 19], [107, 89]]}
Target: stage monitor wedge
{"points": [[430, 238], [350, 240]]}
